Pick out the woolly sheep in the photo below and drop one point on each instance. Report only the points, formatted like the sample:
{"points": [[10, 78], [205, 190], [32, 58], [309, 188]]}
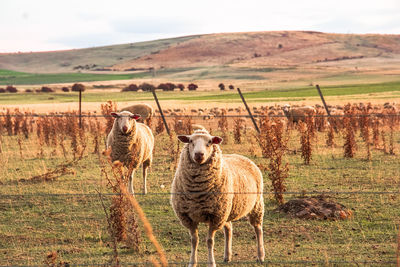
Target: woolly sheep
{"points": [[213, 188], [144, 110], [131, 143], [296, 114], [198, 127]]}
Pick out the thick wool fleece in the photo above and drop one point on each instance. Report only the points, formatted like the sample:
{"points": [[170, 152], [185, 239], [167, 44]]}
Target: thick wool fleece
{"points": [[214, 192], [297, 114], [146, 111], [132, 148]]}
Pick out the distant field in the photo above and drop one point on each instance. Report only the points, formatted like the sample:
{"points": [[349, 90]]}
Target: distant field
{"points": [[18, 78], [305, 92], [230, 96]]}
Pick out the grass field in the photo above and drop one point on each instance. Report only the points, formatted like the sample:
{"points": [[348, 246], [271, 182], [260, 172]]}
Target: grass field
{"points": [[200, 96], [16, 78], [65, 215]]}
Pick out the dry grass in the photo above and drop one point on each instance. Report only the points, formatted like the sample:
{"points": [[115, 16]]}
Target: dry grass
{"points": [[64, 215]]}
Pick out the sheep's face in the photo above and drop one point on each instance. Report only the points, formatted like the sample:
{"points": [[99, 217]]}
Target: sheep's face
{"points": [[286, 108], [200, 145], [126, 121]]}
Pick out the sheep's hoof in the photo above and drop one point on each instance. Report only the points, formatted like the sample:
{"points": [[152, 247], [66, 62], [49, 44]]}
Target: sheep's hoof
{"points": [[227, 259]]}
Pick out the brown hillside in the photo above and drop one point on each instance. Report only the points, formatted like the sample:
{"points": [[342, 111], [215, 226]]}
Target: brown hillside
{"points": [[258, 49]]}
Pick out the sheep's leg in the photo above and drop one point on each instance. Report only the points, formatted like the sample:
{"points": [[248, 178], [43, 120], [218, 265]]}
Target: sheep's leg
{"points": [[228, 242], [146, 165], [260, 242], [210, 245], [130, 184], [194, 235]]}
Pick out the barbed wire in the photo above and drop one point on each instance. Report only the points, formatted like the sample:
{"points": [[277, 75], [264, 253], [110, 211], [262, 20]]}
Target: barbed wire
{"points": [[265, 263], [67, 115], [302, 193]]}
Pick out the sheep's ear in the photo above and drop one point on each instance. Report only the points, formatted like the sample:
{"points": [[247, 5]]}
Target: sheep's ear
{"points": [[216, 140], [114, 114], [135, 116], [184, 138]]}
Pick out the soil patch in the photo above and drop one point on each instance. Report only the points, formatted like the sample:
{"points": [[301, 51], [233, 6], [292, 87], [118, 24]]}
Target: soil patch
{"points": [[316, 208]]}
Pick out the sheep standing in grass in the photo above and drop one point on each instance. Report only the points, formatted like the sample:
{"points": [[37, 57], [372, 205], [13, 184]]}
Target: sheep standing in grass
{"points": [[144, 110], [296, 114], [216, 189], [131, 143]]}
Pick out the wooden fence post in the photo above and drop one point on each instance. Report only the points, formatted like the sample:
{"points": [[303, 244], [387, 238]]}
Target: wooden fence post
{"points": [[161, 112], [325, 105], [248, 110]]}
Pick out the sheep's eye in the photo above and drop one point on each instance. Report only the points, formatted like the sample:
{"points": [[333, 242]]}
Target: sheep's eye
{"points": [[190, 141]]}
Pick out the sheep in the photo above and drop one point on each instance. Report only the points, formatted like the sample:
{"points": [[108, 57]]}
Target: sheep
{"points": [[132, 143], [208, 117], [198, 127], [297, 114], [146, 112], [209, 187]]}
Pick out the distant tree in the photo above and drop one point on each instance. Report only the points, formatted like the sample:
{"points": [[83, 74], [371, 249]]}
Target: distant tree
{"points": [[180, 86], [221, 86], [46, 89], [147, 87], [65, 89], [171, 86], [78, 87], [231, 87], [132, 87], [163, 86], [11, 89], [192, 87]]}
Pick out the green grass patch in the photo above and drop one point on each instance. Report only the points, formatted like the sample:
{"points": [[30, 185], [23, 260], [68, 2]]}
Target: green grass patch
{"points": [[18, 78], [292, 94], [65, 215], [304, 92]]}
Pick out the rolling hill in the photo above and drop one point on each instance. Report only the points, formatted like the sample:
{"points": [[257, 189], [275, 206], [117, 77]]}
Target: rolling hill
{"points": [[282, 57]]}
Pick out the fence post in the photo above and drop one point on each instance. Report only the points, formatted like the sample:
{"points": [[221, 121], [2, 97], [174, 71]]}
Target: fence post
{"points": [[326, 107], [161, 112], [248, 110], [323, 100], [80, 108]]}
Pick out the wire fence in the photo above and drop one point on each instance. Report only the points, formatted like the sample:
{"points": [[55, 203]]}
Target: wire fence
{"points": [[300, 193], [390, 221], [233, 263], [69, 115]]}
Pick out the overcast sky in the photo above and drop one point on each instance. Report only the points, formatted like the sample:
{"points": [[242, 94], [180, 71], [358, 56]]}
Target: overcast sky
{"points": [[41, 25]]}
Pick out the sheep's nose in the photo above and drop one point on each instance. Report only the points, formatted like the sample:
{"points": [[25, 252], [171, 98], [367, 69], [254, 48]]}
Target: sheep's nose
{"points": [[199, 156], [125, 129]]}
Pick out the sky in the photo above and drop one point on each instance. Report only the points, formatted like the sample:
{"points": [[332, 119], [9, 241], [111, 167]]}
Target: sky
{"points": [[44, 25]]}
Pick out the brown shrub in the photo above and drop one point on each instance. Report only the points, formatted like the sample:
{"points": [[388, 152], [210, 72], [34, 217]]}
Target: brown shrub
{"points": [[273, 146], [350, 143]]}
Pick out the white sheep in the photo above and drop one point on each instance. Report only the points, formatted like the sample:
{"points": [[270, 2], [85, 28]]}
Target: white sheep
{"points": [[144, 110], [131, 143], [296, 114], [216, 189], [196, 127]]}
